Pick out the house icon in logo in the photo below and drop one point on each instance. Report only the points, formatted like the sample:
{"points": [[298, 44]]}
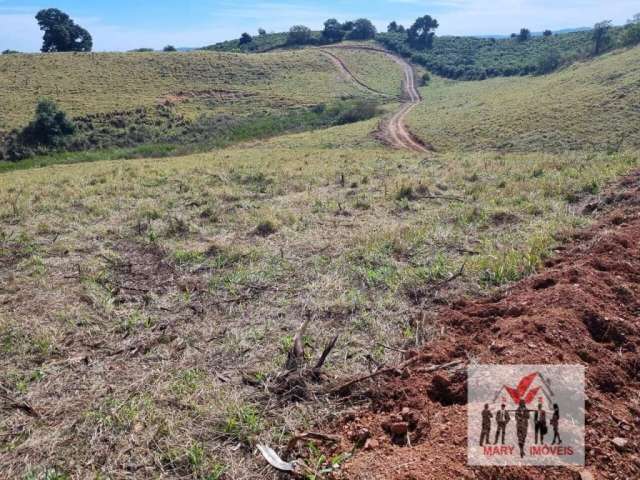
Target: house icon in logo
{"points": [[529, 388]]}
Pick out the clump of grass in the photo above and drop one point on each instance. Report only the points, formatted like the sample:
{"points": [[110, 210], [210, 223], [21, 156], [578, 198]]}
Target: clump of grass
{"points": [[266, 228], [188, 381], [177, 227], [188, 257], [405, 192], [242, 423]]}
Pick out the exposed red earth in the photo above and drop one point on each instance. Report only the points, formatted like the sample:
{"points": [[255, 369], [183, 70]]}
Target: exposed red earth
{"points": [[582, 308]]}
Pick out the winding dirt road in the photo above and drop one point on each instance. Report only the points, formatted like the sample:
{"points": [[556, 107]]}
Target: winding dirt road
{"points": [[394, 129], [348, 74]]}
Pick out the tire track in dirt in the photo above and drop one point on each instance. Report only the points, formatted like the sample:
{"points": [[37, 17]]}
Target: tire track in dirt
{"points": [[349, 75], [393, 130]]}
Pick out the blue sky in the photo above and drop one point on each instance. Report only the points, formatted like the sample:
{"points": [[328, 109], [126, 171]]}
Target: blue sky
{"points": [[127, 24]]}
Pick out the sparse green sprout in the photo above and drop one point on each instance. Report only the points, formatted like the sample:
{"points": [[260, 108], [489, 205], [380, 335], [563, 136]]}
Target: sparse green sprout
{"points": [[242, 423]]}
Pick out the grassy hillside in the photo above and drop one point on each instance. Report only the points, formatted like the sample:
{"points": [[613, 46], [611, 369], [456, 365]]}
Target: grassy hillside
{"points": [[169, 290], [193, 82], [259, 44], [378, 71], [590, 105]]}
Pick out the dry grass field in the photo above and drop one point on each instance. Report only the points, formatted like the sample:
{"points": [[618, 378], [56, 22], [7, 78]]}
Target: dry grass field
{"points": [[590, 105], [195, 82], [147, 306], [378, 71]]}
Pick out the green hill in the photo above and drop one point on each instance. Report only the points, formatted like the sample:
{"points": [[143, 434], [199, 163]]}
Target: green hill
{"points": [[194, 82], [589, 105]]}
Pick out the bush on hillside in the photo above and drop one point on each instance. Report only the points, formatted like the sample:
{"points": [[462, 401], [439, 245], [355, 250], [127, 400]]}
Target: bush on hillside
{"points": [[631, 35], [9, 52], [245, 38], [362, 29], [299, 35], [49, 130], [548, 62], [332, 32], [169, 48], [355, 111]]}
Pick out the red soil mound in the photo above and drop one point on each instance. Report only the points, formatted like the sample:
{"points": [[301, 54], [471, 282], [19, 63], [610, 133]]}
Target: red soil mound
{"points": [[584, 308]]}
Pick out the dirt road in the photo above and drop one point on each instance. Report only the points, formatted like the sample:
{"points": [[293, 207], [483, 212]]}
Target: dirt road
{"points": [[394, 130], [348, 74]]}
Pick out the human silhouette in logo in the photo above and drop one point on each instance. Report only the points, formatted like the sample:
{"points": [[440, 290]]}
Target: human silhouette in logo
{"points": [[540, 423], [486, 424], [555, 421], [502, 418], [522, 425]]}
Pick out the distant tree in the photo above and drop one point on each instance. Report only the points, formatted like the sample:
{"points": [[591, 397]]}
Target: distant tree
{"points": [[631, 33], [61, 34], [347, 26], [262, 31], [393, 27], [299, 35], [548, 62], [245, 38], [141, 50], [9, 52], [332, 32], [514, 35], [169, 48], [421, 32], [363, 29], [524, 35], [401, 29], [547, 33], [601, 36]]}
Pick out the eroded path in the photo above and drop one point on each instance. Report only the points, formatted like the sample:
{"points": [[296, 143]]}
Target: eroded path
{"points": [[394, 130]]}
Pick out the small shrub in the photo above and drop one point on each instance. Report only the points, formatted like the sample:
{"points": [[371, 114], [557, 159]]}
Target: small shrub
{"points": [[405, 193], [357, 111], [299, 35], [266, 228], [49, 130]]}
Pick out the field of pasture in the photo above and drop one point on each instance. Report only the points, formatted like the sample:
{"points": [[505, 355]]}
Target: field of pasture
{"points": [[147, 305], [589, 105]]}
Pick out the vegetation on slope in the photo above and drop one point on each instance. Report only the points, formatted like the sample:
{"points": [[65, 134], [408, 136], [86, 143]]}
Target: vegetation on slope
{"points": [[590, 105], [193, 82], [177, 103], [472, 58], [377, 71], [170, 289], [136, 135]]}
